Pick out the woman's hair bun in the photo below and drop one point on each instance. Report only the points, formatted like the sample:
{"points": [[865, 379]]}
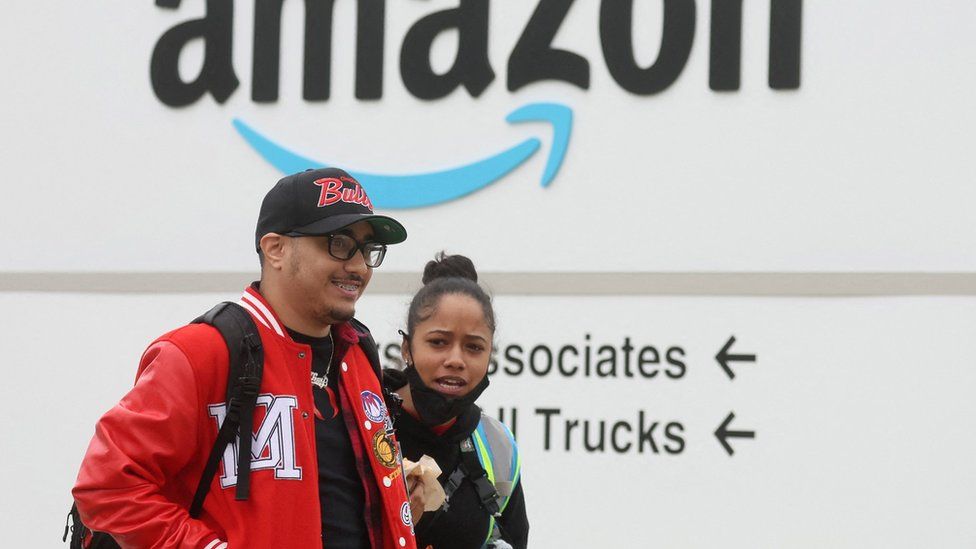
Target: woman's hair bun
{"points": [[449, 266], [448, 274]]}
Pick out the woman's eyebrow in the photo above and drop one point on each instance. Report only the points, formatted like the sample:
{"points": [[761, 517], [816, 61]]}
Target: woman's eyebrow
{"points": [[449, 332]]}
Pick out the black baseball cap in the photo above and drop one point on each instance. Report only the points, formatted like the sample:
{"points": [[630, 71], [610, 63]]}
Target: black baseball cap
{"points": [[320, 202]]}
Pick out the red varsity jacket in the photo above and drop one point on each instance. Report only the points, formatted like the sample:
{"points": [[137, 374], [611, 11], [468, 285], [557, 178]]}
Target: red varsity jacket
{"points": [[143, 464]]}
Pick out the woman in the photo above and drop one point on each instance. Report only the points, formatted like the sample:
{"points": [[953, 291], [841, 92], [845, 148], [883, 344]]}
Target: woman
{"points": [[447, 347]]}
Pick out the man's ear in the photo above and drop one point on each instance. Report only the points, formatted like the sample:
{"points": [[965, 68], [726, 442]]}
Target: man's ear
{"points": [[273, 247]]}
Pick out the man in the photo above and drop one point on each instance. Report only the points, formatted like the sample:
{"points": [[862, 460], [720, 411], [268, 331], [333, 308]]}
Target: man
{"points": [[324, 465]]}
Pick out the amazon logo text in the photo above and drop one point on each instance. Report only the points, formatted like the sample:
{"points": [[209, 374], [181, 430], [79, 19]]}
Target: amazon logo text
{"points": [[533, 59]]}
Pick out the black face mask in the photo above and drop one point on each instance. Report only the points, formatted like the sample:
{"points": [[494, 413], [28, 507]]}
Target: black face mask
{"points": [[434, 408]]}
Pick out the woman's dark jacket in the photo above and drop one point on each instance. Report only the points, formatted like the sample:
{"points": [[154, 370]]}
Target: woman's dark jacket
{"points": [[465, 524]]}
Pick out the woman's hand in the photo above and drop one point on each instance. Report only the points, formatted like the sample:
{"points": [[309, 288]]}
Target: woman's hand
{"points": [[415, 491]]}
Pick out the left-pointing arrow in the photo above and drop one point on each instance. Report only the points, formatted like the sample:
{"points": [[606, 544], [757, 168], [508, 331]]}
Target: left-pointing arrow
{"points": [[723, 433], [724, 358]]}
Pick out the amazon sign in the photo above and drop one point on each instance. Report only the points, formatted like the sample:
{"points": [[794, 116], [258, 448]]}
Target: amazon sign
{"points": [[622, 136], [534, 59]]}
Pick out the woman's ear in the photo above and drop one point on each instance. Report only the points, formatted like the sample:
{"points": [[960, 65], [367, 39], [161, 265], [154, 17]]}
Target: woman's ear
{"points": [[405, 350]]}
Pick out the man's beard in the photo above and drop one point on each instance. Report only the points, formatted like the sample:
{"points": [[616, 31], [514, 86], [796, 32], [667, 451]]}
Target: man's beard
{"points": [[324, 314], [334, 315]]}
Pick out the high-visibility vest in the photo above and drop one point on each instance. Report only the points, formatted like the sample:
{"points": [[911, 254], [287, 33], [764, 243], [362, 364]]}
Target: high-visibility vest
{"points": [[499, 456]]}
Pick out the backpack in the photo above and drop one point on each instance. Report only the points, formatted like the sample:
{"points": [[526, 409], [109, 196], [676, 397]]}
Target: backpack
{"points": [[490, 460], [246, 364]]}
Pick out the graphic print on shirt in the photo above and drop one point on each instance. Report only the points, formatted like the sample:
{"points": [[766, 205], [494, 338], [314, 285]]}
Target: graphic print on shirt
{"points": [[272, 446]]}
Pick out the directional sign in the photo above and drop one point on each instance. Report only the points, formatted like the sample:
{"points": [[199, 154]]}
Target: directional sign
{"points": [[724, 358], [621, 413], [723, 433]]}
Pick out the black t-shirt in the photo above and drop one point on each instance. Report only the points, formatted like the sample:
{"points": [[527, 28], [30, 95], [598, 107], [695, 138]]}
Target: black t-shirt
{"points": [[341, 492]]}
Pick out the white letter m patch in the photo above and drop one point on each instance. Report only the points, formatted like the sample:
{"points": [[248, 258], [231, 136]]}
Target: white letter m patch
{"points": [[272, 446]]}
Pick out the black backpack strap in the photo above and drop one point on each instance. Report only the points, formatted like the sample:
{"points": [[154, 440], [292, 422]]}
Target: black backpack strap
{"points": [[476, 473], [82, 537], [469, 468], [451, 485], [245, 368], [74, 527]]}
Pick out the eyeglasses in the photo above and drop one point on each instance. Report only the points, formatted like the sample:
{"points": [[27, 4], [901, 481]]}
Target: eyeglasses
{"points": [[343, 247]]}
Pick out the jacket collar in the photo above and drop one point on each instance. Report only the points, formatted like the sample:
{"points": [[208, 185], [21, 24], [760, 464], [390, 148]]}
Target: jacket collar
{"points": [[261, 310]]}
